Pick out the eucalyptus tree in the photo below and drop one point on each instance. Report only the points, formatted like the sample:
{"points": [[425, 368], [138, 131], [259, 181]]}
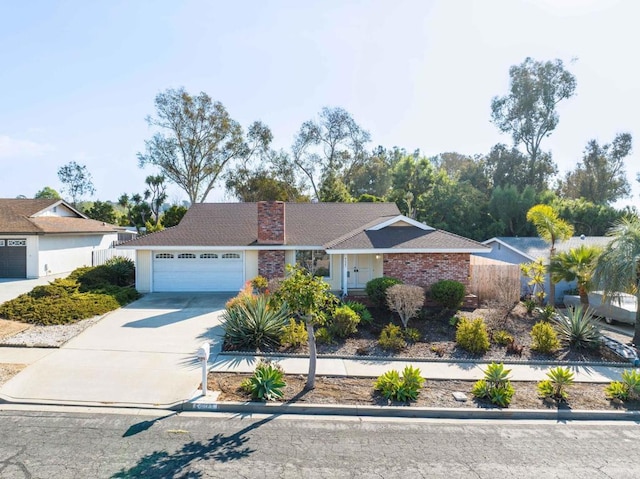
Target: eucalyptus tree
{"points": [[77, 181]]}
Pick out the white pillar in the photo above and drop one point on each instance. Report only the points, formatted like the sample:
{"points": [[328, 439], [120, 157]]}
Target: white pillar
{"points": [[345, 272]]}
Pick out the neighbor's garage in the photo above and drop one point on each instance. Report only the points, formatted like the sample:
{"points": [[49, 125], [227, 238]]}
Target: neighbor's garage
{"points": [[13, 258], [197, 271]]}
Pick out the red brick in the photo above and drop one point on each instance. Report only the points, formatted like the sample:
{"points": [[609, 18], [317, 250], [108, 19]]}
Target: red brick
{"points": [[271, 263], [424, 269], [271, 222]]}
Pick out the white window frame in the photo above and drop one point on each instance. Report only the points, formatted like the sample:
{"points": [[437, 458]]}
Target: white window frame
{"points": [[313, 260]]}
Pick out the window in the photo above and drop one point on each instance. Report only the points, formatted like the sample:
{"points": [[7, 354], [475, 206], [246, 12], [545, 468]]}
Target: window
{"points": [[231, 256], [20, 242], [186, 256], [208, 256], [317, 262], [1, 242], [164, 256]]}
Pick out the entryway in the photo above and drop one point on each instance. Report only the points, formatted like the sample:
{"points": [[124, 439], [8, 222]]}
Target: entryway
{"points": [[359, 269]]}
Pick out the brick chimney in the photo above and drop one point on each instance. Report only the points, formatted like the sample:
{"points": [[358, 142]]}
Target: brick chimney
{"points": [[271, 222]]}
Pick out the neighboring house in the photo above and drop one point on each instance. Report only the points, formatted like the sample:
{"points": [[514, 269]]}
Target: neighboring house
{"points": [[527, 249], [39, 237], [220, 246]]}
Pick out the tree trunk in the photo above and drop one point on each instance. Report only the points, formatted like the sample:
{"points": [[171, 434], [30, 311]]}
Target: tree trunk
{"points": [[311, 377], [552, 285], [636, 333], [584, 296]]}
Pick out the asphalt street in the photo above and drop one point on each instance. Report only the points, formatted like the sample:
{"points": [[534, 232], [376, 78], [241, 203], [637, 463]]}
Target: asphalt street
{"points": [[68, 444]]}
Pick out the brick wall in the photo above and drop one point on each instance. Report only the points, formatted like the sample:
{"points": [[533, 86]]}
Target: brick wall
{"points": [[271, 222], [424, 269], [271, 263]]}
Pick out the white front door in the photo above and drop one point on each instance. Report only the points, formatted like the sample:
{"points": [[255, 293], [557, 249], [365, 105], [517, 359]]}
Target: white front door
{"points": [[358, 270]]}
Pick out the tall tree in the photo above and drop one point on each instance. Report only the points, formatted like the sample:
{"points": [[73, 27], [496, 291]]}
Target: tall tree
{"points": [[77, 181], [102, 211], [506, 166], [509, 208], [372, 176], [156, 195], [618, 267], [528, 112], [577, 264], [552, 229], [334, 142], [601, 177], [196, 141], [173, 216], [333, 190], [412, 178], [464, 168], [47, 193], [588, 218]]}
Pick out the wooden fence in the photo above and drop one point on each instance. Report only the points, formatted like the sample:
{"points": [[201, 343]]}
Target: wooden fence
{"points": [[491, 279], [100, 256]]}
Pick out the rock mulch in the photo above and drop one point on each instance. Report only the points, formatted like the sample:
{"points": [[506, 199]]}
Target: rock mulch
{"points": [[48, 336]]}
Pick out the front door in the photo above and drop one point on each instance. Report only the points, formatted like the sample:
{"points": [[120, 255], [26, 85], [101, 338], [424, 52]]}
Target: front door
{"points": [[358, 270]]}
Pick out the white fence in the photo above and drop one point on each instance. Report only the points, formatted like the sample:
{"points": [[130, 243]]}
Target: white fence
{"points": [[100, 256]]}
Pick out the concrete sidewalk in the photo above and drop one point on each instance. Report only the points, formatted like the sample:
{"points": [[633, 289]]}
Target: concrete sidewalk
{"points": [[12, 288], [468, 371]]}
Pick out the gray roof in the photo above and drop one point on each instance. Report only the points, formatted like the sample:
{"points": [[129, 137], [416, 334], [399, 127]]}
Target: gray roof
{"points": [[326, 225], [535, 247]]}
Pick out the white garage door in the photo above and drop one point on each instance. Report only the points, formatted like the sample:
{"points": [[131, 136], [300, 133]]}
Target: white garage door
{"points": [[197, 271]]}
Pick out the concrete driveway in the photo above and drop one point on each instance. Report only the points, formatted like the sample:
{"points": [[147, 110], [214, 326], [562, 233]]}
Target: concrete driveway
{"points": [[12, 288], [140, 355]]}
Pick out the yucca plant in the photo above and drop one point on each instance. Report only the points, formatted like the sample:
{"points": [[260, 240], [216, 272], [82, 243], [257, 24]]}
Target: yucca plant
{"points": [[560, 378], [578, 329], [252, 324], [266, 383]]}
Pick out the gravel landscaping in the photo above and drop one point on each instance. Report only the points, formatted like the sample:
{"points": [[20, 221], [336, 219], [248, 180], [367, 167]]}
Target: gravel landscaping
{"points": [[47, 336]]}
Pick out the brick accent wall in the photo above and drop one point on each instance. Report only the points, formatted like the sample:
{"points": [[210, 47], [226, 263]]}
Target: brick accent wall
{"points": [[424, 269], [271, 222], [271, 263]]}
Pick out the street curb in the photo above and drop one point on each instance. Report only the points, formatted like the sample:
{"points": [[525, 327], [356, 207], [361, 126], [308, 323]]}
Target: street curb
{"points": [[4, 399], [202, 405]]}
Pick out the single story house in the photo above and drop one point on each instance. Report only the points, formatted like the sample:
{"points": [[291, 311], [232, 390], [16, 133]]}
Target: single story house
{"points": [[519, 250], [220, 246], [40, 237]]}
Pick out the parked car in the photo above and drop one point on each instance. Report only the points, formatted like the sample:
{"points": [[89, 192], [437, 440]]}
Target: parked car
{"points": [[620, 307]]}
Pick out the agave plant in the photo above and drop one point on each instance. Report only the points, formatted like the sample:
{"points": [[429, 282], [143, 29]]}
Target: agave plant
{"points": [[578, 329], [266, 383], [253, 324], [496, 386], [560, 378]]}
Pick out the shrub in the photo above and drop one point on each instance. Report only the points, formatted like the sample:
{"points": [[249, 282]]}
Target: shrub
{"points": [[116, 271], [448, 293], [391, 338], [545, 338], [496, 385], [560, 378], [252, 324], [472, 335], [294, 334], [412, 334], [344, 321], [502, 337], [628, 388], [400, 388], [324, 336], [122, 270], [530, 305], [266, 383], [260, 284], [55, 289], [245, 294], [361, 310], [578, 330], [406, 300], [547, 312], [376, 290]]}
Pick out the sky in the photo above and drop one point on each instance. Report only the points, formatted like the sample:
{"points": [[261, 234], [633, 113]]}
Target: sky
{"points": [[78, 78]]}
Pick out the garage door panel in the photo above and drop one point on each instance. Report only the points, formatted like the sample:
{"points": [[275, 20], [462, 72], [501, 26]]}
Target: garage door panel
{"points": [[198, 271], [13, 258]]}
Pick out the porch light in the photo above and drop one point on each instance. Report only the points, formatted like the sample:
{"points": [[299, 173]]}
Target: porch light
{"points": [[377, 256]]}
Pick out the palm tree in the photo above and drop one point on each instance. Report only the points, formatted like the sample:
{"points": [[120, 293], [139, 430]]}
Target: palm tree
{"points": [[618, 267], [577, 264], [551, 228]]}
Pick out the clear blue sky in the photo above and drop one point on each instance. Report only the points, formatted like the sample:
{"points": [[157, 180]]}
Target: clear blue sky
{"points": [[78, 78]]}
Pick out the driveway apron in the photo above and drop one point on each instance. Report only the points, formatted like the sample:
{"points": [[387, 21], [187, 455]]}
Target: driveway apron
{"points": [[142, 354]]}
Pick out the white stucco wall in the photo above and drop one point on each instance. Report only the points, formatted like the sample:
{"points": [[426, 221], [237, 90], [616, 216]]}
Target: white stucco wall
{"points": [[143, 271], [64, 253], [250, 265]]}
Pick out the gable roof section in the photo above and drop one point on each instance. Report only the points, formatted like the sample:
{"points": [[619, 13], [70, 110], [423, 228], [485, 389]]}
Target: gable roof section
{"points": [[22, 216], [534, 247]]}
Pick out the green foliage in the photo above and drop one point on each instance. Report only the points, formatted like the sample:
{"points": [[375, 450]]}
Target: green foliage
{"points": [[577, 264], [344, 321], [502, 337], [324, 336], [545, 338], [306, 296], [391, 338], [76, 181], [616, 390], [403, 388], [547, 312], [472, 335], [267, 382], [365, 315], [118, 271], [294, 334], [260, 284], [376, 290], [628, 388], [173, 216], [495, 386], [535, 271], [577, 329], [47, 193], [560, 378], [253, 324], [412, 334], [102, 211], [448, 293], [530, 305]]}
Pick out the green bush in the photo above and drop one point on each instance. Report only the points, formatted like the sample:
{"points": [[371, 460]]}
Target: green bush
{"points": [[472, 335], [400, 388], [502, 337], [628, 388], [577, 329], [376, 290], [496, 385], [555, 387], [55, 289], [251, 324], [545, 338], [116, 271], [267, 382], [448, 293], [530, 305], [412, 334], [391, 338], [122, 270], [294, 334], [344, 321], [361, 310], [547, 312], [324, 336]]}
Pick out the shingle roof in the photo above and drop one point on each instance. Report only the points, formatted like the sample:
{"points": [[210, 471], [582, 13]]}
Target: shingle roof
{"points": [[535, 247], [17, 217], [326, 225]]}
